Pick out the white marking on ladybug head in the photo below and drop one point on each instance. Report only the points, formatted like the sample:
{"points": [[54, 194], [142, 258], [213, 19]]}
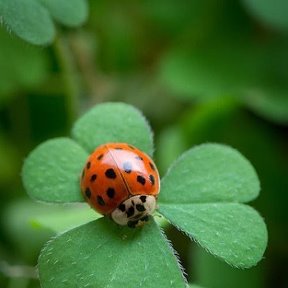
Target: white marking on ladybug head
{"points": [[134, 209]]}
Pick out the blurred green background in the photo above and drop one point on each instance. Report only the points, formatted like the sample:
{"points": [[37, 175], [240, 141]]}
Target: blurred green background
{"points": [[201, 71]]}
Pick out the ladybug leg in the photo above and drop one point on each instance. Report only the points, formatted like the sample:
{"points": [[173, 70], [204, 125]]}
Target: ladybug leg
{"points": [[138, 223]]}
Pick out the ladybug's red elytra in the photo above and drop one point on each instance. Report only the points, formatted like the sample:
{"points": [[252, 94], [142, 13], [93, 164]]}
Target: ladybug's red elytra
{"points": [[121, 181]]}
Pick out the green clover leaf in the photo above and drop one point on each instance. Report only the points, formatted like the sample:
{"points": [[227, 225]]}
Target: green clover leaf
{"points": [[199, 195], [58, 179], [113, 123], [32, 20], [202, 195], [103, 254]]}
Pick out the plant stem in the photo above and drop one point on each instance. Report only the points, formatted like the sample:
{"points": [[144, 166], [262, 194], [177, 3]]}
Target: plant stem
{"points": [[70, 79], [97, 86]]}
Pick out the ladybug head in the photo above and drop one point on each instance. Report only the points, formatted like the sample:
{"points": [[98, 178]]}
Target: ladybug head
{"points": [[135, 210]]}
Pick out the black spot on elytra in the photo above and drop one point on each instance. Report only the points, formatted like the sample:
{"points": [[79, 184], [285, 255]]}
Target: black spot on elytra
{"points": [[130, 211], [139, 158], [141, 179], [152, 179], [100, 201], [140, 207], [88, 165], [152, 166], [122, 207], [127, 166], [88, 193], [100, 157], [93, 177], [143, 198], [110, 192], [110, 173]]}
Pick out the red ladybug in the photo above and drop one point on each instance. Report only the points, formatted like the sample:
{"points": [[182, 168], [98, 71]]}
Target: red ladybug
{"points": [[121, 181]]}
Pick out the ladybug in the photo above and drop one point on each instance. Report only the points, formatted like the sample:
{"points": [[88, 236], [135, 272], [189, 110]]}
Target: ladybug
{"points": [[122, 182]]}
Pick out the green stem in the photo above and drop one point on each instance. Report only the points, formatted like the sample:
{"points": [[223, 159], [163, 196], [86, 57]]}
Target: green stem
{"points": [[97, 86], [70, 79]]}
